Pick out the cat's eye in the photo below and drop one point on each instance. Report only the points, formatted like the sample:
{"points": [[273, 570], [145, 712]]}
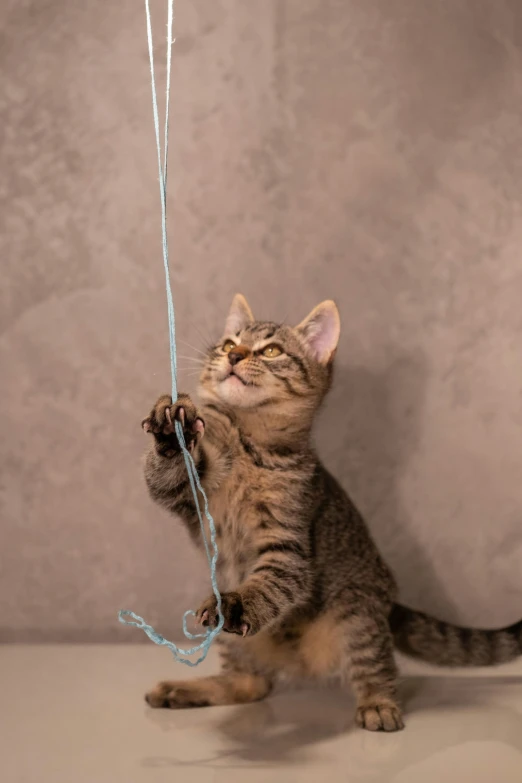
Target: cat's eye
{"points": [[228, 346], [271, 351]]}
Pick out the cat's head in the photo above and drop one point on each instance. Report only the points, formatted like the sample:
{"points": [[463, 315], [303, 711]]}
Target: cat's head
{"points": [[260, 362]]}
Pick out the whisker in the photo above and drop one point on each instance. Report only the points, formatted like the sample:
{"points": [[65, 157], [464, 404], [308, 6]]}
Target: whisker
{"points": [[207, 340], [192, 358], [203, 353]]}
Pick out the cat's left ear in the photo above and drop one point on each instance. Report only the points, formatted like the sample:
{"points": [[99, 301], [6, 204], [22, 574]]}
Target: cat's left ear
{"points": [[239, 315], [320, 331]]}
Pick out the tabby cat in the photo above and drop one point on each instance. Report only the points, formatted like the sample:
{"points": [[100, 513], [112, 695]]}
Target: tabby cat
{"points": [[305, 591]]}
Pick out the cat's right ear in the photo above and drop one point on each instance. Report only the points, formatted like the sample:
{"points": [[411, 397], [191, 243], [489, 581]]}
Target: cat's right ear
{"points": [[239, 315]]}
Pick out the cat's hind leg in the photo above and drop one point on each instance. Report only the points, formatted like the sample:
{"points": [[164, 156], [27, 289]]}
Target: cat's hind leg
{"points": [[369, 665], [216, 691]]}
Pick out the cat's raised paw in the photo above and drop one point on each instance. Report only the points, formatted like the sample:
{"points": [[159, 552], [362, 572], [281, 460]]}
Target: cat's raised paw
{"points": [[161, 423], [236, 616]]}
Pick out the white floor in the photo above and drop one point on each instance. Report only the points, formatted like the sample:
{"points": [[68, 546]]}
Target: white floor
{"points": [[76, 715]]}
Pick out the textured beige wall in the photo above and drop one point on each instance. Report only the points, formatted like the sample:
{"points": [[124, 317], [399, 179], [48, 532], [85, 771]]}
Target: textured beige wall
{"points": [[370, 151]]}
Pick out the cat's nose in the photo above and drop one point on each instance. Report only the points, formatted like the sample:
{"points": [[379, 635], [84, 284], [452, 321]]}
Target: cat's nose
{"points": [[237, 354]]}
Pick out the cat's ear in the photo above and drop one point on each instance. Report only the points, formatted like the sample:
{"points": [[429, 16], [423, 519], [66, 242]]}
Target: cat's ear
{"points": [[239, 315], [320, 331]]}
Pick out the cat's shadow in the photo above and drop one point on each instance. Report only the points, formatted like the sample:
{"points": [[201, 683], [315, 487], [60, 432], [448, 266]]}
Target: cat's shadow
{"points": [[367, 434], [293, 728]]}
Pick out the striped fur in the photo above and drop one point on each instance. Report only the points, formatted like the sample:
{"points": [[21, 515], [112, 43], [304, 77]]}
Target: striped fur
{"points": [[444, 644], [305, 591]]}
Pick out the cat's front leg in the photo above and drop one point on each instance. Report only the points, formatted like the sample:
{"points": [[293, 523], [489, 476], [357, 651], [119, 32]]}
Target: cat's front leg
{"points": [[280, 579], [165, 469]]}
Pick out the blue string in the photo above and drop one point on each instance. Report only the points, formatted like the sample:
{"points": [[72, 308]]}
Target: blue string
{"points": [[211, 550]]}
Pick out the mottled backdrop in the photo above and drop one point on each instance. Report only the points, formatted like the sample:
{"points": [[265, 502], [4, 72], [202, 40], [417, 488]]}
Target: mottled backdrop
{"points": [[369, 151]]}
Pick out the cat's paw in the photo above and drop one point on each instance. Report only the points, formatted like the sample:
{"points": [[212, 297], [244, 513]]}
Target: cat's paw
{"points": [[161, 421], [176, 695], [379, 716], [238, 618]]}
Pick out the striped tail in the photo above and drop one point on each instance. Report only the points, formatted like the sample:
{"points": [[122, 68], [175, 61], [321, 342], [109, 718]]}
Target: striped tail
{"points": [[433, 641]]}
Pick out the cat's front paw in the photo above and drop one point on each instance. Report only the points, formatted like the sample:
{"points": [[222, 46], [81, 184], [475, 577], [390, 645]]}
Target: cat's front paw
{"points": [[160, 422], [238, 618]]}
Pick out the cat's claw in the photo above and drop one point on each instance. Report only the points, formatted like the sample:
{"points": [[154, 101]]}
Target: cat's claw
{"points": [[236, 618], [168, 428], [161, 422], [243, 628]]}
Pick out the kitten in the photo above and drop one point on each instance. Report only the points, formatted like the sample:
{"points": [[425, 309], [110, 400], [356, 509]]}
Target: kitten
{"points": [[305, 591]]}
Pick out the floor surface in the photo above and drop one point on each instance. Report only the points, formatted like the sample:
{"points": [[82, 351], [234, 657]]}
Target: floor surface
{"points": [[75, 714]]}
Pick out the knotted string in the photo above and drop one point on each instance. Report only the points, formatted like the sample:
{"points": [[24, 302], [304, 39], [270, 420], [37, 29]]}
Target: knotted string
{"points": [[211, 550]]}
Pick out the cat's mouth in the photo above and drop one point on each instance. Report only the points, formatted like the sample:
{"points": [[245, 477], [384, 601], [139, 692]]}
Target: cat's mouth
{"points": [[238, 390], [234, 376]]}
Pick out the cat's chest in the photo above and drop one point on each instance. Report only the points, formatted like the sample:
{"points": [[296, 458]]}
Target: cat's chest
{"points": [[235, 509]]}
